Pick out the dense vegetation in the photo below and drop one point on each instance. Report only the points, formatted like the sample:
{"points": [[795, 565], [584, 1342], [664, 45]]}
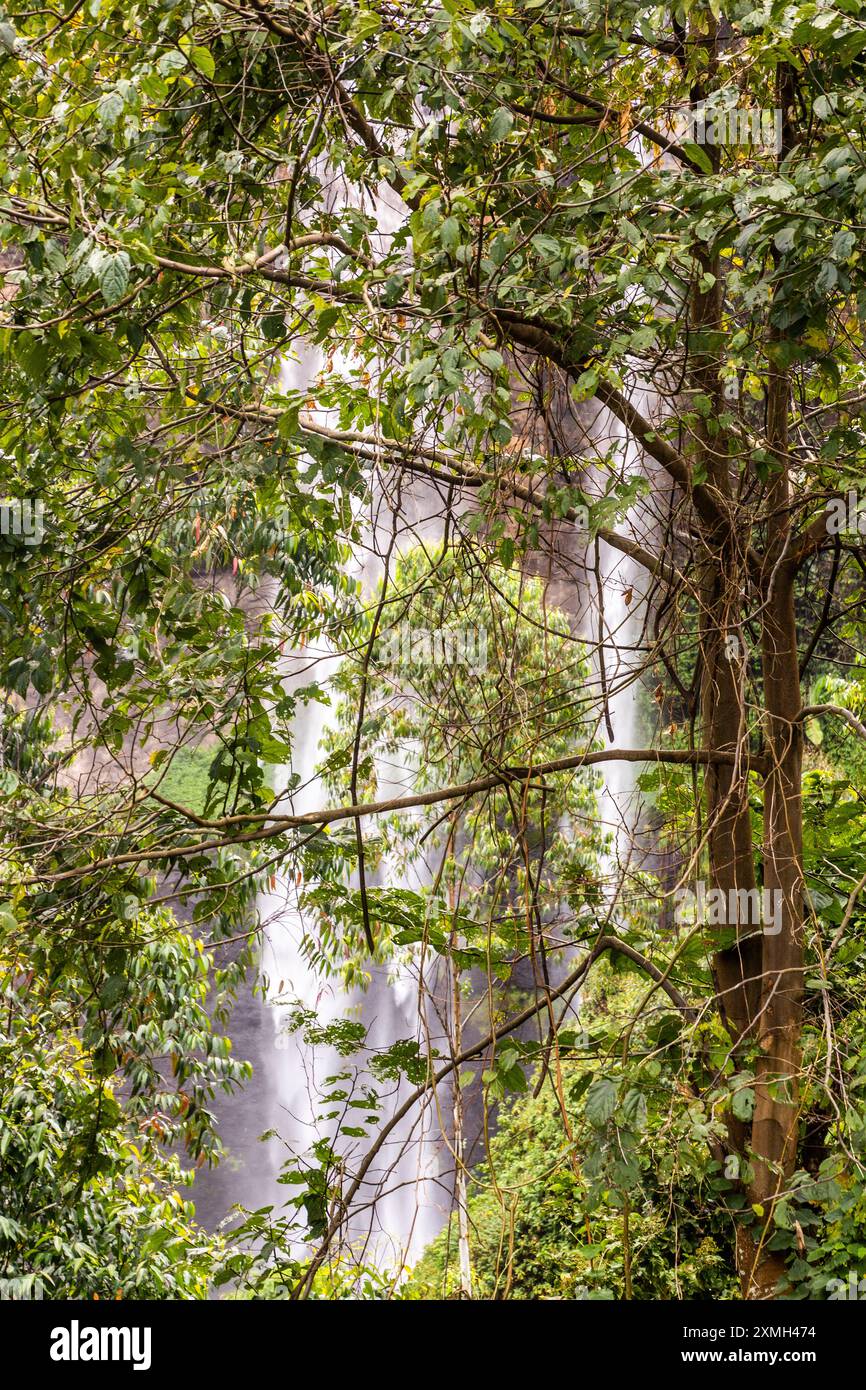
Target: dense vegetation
{"points": [[491, 378]]}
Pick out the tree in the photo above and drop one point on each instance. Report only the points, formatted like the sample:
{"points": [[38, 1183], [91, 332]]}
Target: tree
{"points": [[643, 222]]}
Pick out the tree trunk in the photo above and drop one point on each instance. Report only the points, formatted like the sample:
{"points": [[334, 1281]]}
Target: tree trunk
{"points": [[775, 1121]]}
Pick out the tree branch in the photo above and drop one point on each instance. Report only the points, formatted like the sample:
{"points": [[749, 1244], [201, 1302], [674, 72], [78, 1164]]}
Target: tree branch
{"points": [[604, 943], [278, 825], [839, 712]]}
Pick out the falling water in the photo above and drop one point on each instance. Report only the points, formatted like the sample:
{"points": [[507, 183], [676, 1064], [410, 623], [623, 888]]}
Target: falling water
{"points": [[392, 1230], [290, 1079], [622, 605], [407, 1198]]}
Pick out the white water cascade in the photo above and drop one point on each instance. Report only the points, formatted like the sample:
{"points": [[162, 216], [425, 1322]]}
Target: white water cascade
{"points": [[406, 1197], [401, 1207], [410, 1189], [623, 604]]}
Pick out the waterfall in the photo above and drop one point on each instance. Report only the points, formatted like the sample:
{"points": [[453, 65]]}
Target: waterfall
{"points": [[622, 604], [393, 1229], [290, 1078], [408, 1193]]}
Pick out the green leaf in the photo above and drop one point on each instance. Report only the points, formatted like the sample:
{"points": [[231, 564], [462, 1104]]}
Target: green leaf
{"points": [[826, 278], [367, 23], [500, 125], [814, 732], [135, 335], [491, 359], [112, 990], [273, 326], [202, 58], [449, 233], [600, 1102], [114, 277], [697, 155], [782, 1215], [42, 677], [111, 108], [625, 1174], [8, 781], [743, 1103], [585, 385], [634, 1109], [325, 322]]}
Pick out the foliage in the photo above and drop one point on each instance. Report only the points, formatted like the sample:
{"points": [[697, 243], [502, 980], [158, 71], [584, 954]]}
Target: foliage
{"points": [[547, 1210], [503, 686], [88, 1211], [107, 1060], [265, 267]]}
